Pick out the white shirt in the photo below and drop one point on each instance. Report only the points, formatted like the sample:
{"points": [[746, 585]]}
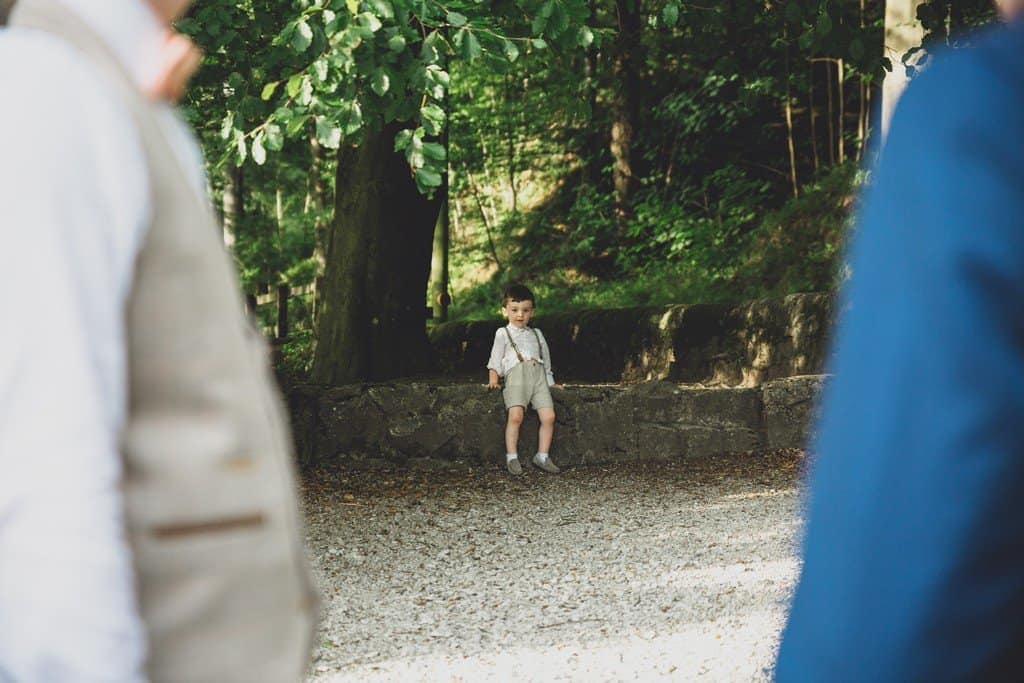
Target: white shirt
{"points": [[503, 354], [74, 209]]}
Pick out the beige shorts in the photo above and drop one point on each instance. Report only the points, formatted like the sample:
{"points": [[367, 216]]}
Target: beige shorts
{"points": [[527, 385]]}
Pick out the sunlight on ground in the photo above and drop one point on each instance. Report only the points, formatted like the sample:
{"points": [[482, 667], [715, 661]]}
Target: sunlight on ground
{"points": [[728, 648], [733, 649]]}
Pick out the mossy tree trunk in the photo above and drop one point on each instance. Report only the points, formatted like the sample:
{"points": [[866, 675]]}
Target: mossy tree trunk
{"points": [[373, 322], [628, 51]]}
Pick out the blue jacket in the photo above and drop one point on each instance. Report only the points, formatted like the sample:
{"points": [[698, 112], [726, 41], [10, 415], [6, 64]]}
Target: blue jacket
{"points": [[914, 551]]}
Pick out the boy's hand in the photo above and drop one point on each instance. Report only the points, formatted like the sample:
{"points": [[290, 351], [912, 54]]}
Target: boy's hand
{"points": [[493, 381], [493, 384]]}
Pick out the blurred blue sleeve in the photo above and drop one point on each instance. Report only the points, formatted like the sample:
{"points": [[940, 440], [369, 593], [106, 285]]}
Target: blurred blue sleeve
{"points": [[914, 550]]}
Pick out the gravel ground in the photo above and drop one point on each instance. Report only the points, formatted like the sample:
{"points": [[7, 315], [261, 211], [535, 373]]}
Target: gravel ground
{"points": [[639, 571]]}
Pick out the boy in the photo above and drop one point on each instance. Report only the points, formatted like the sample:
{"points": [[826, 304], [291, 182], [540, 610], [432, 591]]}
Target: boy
{"points": [[520, 355]]}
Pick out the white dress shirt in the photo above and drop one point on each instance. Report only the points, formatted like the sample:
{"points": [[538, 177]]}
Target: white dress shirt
{"points": [[74, 210], [503, 354]]}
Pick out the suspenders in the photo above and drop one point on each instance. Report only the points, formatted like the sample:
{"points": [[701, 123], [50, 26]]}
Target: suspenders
{"points": [[516, 348]]}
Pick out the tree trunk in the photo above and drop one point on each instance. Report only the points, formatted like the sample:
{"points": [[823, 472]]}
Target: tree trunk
{"points": [[862, 118], [372, 326], [902, 32], [483, 214], [439, 297], [318, 191], [814, 128], [593, 139], [513, 103], [628, 58], [788, 110], [840, 123], [831, 116], [232, 203]]}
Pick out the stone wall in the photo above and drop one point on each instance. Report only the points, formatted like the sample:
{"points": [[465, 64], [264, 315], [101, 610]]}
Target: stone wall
{"points": [[711, 344], [428, 423]]}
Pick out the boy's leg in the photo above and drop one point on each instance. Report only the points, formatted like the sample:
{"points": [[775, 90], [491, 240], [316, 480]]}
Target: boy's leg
{"points": [[515, 420], [547, 429]]}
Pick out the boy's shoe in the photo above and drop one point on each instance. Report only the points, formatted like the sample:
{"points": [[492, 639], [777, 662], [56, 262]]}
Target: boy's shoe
{"points": [[514, 467], [545, 464]]}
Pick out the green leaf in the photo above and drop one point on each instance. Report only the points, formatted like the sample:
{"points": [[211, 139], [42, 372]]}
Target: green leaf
{"points": [[296, 124], [510, 50], [275, 138], [354, 119], [240, 149], [294, 85], [470, 45], [268, 90], [303, 36], [328, 134], [540, 22], [559, 22], [824, 24], [457, 20], [259, 154], [414, 154], [433, 119], [435, 151], [856, 48], [320, 67], [370, 22], [352, 6], [793, 14], [428, 177], [228, 125], [396, 43], [402, 139], [546, 9], [539, 43], [439, 76], [382, 8], [380, 82], [670, 15], [306, 91]]}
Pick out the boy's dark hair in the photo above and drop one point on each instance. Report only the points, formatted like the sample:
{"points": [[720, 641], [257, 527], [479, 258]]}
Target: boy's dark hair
{"points": [[517, 292]]}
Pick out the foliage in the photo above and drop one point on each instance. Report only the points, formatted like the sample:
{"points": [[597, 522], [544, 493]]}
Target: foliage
{"points": [[515, 100], [795, 248]]}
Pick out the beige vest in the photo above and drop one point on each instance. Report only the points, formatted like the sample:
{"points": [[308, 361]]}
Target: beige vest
{"points": [[209, 486]]}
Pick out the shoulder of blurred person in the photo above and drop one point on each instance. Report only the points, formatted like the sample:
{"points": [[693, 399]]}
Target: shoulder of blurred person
{"points": [[64, 132], [905, 575]]}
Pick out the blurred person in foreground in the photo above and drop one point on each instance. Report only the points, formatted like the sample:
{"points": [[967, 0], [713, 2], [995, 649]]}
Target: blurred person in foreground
{"points": [[148, 520], [914, 551]]}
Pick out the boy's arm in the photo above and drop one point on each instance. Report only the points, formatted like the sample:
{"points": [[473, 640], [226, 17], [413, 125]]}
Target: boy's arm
{"points": [[546, 354], [494, 362]]}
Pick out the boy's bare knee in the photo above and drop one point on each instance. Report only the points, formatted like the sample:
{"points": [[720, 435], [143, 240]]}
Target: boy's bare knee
{"points": [[547, 417], [515, 415]]}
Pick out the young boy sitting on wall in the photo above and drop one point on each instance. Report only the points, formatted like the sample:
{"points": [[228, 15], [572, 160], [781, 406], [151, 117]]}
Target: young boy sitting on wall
{"points": [[521, 356]]}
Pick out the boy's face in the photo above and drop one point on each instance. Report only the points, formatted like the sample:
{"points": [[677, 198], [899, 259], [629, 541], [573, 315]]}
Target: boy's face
{"points": [[518, 312]]}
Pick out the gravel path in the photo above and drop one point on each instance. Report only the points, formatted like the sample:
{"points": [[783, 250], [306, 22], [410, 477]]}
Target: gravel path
{"points": [[664, 571]]}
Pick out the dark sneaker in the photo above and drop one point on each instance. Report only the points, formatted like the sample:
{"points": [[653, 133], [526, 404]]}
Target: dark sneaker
{"points": [[514, 467], [546, 465]]}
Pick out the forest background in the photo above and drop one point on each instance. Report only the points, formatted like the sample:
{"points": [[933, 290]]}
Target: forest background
{"points": [[607, 152]]}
